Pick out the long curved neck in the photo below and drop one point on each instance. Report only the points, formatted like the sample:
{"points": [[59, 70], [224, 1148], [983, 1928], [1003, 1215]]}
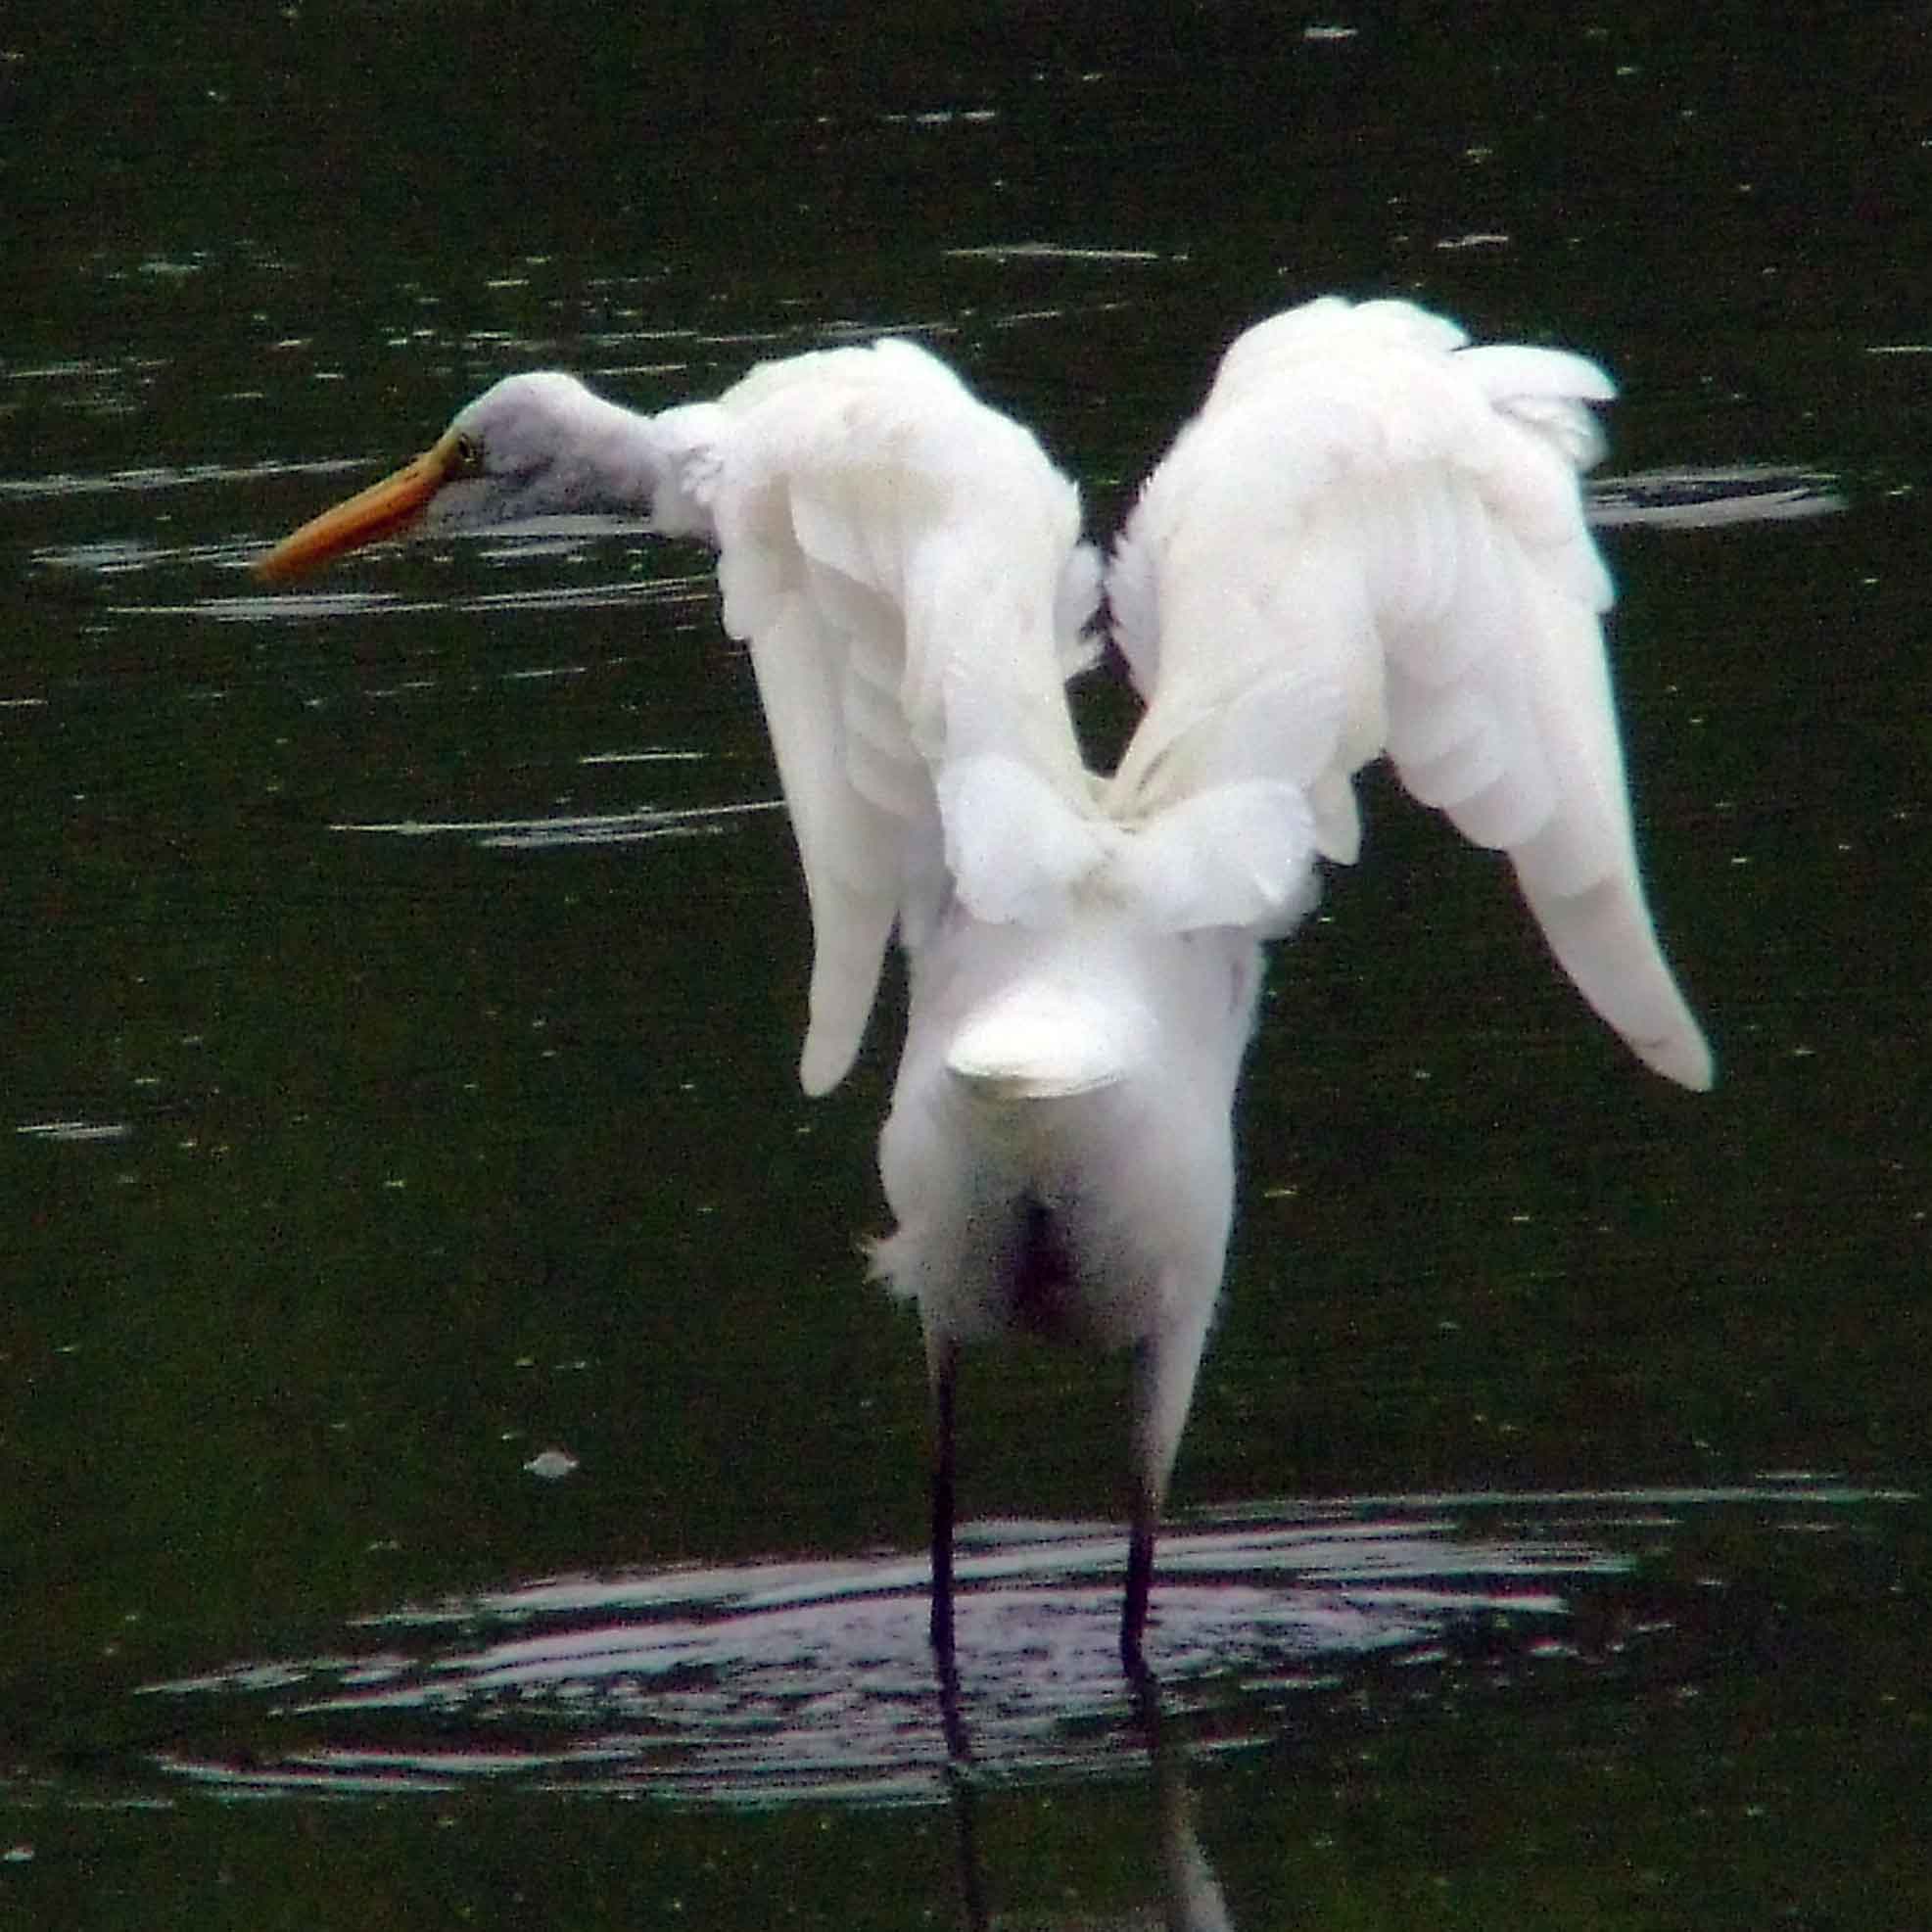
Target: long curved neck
{"points": [[621, 460], [553, 446], [665, 461]]}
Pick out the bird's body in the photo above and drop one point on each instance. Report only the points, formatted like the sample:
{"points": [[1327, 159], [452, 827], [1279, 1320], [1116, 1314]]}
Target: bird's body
{"points": [[1077, 1090], [1369, 541]]}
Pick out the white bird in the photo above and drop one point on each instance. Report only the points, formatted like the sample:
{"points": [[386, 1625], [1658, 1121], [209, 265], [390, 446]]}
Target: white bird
{"points": [[1369, 541]]}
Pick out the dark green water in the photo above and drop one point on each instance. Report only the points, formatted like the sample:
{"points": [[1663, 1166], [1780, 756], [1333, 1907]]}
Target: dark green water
{"points": [[404, 1006]]}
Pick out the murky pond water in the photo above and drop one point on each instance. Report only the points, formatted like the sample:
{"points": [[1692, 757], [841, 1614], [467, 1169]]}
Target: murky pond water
{"points": [[456, 1469]]}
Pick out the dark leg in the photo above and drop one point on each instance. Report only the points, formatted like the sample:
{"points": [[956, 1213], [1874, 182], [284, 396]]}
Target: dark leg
{"points": [[945, 1359], [1145, 1512], [1140, 1582], [1165, 1366]]}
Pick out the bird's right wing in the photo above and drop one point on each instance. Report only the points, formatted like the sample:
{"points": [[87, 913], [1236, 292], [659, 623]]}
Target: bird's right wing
{"points": [[1370, 540], [905, 565]]}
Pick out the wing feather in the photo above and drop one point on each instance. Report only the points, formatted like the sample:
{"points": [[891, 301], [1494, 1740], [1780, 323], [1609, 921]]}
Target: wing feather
{"points": [[1375, 534], [904, 566]]}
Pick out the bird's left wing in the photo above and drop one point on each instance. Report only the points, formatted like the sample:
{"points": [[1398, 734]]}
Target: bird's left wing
{"points": [[1370, 540], [905, 564]]}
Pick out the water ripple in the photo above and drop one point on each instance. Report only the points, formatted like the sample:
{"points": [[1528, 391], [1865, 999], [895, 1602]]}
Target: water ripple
{"points": [[574, 829], [776, 1681], [163, 476], [1704, 498]]}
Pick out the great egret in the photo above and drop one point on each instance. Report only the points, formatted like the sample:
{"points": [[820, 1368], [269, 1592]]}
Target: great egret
{"points": [[1369, 541]]}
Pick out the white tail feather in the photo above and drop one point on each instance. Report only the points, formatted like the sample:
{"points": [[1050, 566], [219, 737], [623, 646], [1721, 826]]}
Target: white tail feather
{"points": [[1046, 1039]]}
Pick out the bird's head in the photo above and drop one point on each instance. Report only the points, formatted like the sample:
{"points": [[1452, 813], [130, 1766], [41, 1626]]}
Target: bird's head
{"points": [[533, 446]]}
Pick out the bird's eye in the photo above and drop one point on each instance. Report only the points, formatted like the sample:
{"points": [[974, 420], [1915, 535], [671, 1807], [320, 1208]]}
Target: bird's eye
{"points": [[467, 453]]}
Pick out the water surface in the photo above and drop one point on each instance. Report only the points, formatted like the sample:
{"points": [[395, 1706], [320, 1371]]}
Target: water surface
{"points": [[455, 1464]]}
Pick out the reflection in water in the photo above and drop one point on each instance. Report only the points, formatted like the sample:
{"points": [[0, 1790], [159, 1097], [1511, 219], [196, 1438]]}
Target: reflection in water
{"points": [[1190, 1895], [1191, 1891]]}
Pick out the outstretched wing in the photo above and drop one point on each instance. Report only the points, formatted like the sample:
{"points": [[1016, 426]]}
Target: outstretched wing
{"points": [[1370, 540], [905, 565]]}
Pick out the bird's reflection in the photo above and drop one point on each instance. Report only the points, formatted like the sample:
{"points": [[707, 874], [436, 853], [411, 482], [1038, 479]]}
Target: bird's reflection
{"points": [[1190, 1898]]}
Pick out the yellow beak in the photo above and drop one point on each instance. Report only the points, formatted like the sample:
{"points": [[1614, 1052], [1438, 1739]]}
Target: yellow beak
{"points": [[384, 509]]}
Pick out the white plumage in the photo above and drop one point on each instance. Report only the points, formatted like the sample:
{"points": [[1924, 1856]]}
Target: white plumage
{"points": [[1370, 542]]}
